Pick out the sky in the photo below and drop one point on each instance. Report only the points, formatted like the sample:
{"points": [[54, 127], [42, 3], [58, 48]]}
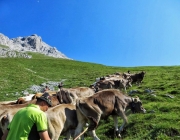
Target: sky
{"points": [[123, 33]]}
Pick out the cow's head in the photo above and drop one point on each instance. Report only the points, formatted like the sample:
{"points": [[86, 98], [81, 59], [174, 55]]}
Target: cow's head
{"points": [[136, 105], [142, 73]]}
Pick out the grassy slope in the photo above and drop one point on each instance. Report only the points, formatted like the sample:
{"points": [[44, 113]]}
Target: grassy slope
{"points": [[18, 74]]}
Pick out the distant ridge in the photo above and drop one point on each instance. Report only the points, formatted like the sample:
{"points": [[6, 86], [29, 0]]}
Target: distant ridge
{"points": [[16, 47]]}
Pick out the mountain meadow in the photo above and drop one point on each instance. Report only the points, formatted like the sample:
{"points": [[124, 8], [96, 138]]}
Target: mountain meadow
{"points": [[161, 120]]}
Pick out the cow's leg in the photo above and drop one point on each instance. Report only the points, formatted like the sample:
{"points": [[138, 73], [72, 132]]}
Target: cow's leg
{"points": [[53, 129], [123, 116], [121, 112], [93, 135], [116, 131], [68, 134], [81, 123]]}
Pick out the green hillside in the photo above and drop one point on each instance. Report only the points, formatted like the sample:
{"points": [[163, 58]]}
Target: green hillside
{"points": [[162, 120]]}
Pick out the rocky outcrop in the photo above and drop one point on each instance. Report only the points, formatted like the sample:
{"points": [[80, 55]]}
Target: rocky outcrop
{"points": [[10, 53], [31, 43]]}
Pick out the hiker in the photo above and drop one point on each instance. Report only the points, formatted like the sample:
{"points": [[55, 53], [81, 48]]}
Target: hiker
{"points": [[30, 122]]}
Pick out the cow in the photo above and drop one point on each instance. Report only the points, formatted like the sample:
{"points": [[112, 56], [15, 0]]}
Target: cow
{"points": [[62, 120], [105, 84], [38, 94], [22, 100], [7, 112], [137, 77], [123, 83], [69, 96], [113, 82], [30, 99], [103, 104], [54, 98]]}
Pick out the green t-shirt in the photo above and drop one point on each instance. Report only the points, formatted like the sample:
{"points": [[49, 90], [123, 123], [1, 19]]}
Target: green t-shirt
{"points": [[26, 124]]}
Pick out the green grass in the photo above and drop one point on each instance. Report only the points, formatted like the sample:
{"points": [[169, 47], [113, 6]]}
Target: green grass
{"points": [[162, 120]]}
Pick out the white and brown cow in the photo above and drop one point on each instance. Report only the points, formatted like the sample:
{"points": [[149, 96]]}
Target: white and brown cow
{"points": [[69, 96], [101, 105]]}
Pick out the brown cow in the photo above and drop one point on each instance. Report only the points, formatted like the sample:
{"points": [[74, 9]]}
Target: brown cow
{"points": [[62, 119], [23, 100], [115, 82], [104, 84], [69, 96], [7, 112], [101, 105]]}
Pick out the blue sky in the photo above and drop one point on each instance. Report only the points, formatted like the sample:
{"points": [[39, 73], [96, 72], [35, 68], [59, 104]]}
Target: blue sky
{"points": [[114, 33]]}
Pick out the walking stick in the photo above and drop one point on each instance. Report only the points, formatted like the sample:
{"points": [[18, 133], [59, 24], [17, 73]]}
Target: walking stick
{"points": [[81, 133]]}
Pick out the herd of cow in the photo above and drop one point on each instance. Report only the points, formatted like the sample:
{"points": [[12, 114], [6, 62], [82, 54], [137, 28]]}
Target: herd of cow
{"points": [[117, 81], [73, 108]]}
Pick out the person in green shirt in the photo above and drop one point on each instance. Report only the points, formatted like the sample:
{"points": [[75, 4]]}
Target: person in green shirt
{"points": [[30, 123]]}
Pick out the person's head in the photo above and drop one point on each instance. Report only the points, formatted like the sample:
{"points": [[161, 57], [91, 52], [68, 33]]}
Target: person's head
{"points": [[44, 101]]}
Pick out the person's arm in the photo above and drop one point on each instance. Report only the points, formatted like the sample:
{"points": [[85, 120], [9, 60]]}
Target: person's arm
{"points": [[4, 135], [44, 135]]}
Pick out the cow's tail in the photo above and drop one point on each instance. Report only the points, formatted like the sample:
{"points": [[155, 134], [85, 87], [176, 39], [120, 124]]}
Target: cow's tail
{"points": [[93, 122]]}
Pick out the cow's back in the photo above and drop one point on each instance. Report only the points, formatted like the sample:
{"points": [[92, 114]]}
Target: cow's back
{"points": [[84, 92], [103, 102]]}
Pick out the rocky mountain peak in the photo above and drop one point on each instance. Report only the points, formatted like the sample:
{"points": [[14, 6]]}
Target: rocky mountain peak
{"points": [[31, 43]]}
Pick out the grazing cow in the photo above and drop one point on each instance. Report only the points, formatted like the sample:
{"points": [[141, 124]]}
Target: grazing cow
{"points": [[69, 96], [101, 105]]}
